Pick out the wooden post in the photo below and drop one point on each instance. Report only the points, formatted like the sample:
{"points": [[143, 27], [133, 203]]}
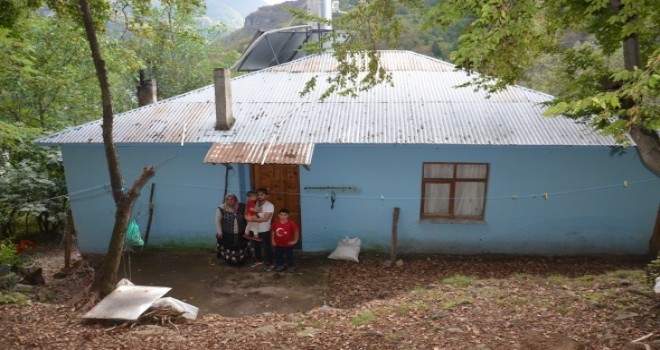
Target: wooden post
{"points": [[654, 244], [395, 224], [151, 214], [68, 238]]}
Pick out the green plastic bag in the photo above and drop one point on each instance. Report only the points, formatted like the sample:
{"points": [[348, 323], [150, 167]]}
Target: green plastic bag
{"points": [[133, 236]]}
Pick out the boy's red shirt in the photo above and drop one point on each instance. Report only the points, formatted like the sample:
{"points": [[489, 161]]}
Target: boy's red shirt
{"points": [[283, 232]]}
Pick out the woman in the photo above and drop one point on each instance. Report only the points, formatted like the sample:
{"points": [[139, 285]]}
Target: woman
{"points": [[229, 227]]}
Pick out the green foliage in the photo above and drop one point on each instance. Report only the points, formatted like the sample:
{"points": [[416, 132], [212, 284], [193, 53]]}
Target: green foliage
{"points": [[371, 25], [459, 281], [161, 39], [8, 254], [32, 179], [48, 82], [14, 298], [363, 318], [51, 74], [579, 46], [653, 271], [457, 301]]}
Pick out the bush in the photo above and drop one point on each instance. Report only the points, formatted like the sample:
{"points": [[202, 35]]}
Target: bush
{"points": [[8, 254], [653, 271], [32, 182]]}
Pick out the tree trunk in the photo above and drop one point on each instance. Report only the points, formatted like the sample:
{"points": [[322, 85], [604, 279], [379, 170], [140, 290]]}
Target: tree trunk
{"points": [[70, 232], [104, 280], [648, 141], [648, 144]]}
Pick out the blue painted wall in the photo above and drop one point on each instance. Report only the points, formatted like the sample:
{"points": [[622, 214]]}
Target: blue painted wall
{"points": [[185, 197], [589, 209]]}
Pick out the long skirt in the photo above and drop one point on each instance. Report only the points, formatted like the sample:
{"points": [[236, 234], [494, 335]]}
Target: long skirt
{"points": [[233, 249]]}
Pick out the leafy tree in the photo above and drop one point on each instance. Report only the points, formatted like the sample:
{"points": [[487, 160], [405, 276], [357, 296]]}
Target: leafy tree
{"points": [[610, 78], [44, 88], [32, 181], [50, 84], [162, 38], [93, 14]]}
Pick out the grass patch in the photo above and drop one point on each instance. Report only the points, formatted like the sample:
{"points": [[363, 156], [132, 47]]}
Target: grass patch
{"points": [[587, 281], [595, 296], [512, 301], [14, 298], [522, 276], [614, 298], [558, 279], [459, 281], [448, 304], [611, 279], [629, 274], [420, 291], [363, 318], [541, 303], [426, 293], [496, 294], [401, 309]]}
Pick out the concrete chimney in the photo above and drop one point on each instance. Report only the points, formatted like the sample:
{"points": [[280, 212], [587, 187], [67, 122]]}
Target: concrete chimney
{"points": [[320, 8], [146, 91], [224, 117]]}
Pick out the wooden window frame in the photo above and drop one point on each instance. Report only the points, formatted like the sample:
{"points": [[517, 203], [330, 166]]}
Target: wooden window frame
{"points": [[451, 217]]}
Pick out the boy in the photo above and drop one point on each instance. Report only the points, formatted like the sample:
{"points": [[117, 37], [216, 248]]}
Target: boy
{"points": [[284, 235], [251, 212]]}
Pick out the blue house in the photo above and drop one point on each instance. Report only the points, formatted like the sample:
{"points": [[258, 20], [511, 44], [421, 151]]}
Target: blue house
{"points": [[470, 173]]}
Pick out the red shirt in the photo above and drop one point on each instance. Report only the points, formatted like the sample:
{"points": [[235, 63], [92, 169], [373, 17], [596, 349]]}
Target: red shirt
{"points": [[251, 208], [283, 232]]}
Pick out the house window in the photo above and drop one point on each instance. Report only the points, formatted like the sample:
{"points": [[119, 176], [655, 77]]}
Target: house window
{"points": [[454, 191]]}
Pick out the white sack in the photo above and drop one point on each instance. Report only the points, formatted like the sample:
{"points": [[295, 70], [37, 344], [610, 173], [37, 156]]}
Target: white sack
{"points": [[189, 311], [124, 282], [347, 249]]}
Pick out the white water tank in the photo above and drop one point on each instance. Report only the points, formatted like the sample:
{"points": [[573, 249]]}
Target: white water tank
{"points": [[323, 9]]}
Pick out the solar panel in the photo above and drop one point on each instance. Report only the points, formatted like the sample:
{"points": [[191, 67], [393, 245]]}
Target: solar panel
{"points": [[278, 46]]}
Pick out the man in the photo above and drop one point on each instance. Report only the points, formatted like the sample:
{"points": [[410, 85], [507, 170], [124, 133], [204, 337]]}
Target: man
{"points": [[264, 248]]}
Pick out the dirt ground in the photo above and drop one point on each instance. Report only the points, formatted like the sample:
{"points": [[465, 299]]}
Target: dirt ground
{"points": [[423, 302], [200, 279]]}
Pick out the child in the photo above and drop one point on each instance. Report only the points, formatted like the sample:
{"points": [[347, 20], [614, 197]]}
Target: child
{"points": [[284, 235], [251, 212]]}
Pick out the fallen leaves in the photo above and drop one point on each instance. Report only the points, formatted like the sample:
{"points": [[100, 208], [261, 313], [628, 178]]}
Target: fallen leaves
{"points": [[426, 302]]}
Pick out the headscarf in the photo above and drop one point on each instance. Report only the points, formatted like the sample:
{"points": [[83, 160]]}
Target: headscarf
{"points": [[234, 208]]}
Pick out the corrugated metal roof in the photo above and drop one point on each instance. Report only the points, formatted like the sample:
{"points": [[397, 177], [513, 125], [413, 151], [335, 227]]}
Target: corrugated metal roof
{"points": [[423, 107], [260, 153]]}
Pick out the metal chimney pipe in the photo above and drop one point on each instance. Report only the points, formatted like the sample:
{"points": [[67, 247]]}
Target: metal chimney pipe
{"points": [[147, 90], [323, 9], [224, 117]]}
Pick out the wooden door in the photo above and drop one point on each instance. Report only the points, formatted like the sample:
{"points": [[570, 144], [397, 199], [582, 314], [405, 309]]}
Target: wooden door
{"points": [[283, 184]]}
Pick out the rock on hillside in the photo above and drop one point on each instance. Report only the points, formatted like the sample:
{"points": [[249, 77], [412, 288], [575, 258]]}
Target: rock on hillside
{"points": [[231, 12], [265, 18]]}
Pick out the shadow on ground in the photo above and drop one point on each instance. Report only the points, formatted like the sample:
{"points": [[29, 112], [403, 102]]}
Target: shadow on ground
{"points": [[200, 279]]}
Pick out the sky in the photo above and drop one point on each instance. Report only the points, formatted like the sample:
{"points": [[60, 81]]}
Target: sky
{"points": [[273, 2]]}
